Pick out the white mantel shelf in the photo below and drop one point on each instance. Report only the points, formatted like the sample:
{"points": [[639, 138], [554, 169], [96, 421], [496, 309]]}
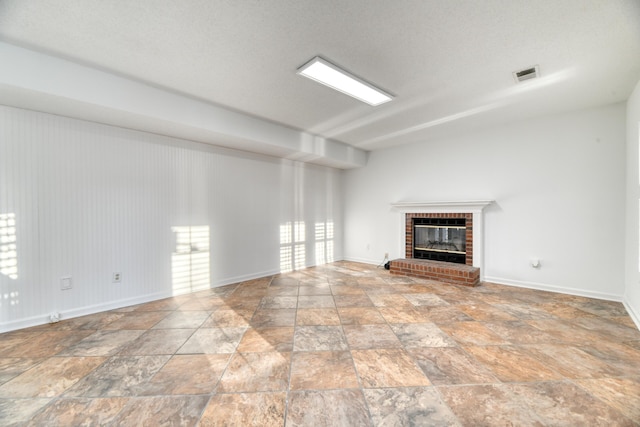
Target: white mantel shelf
{"points": [[474, 207], [443, 206]]}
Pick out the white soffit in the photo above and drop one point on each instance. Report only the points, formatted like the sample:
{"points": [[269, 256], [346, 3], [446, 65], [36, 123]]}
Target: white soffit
{"points": [[48, 84]]}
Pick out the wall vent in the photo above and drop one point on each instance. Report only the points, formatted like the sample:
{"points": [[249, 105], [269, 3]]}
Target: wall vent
{"points": [[526, 74]]}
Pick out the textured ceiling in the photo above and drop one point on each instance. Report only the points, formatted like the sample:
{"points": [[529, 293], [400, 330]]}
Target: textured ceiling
{"points": [[449, 62]]}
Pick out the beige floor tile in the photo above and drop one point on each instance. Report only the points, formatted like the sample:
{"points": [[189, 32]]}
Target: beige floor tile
{"points": [[319, 338], [323, 370], [245, 409], [249, 372], [162, 411], [472, 333], [138, 320], [451, 365], [278, 302], [622, 394], [442, 315], [317, 317], [213, 341], [510, 363], [488, 405], [390, 301], [327, 408], [408, 406], [163, 341], [226, 318], [566, 403], [402, 315], [45, 344], [51, 377], [315, 301], [371, 336], [519, 332], [360, 316], [267, 318], [413, 335], [182, 320], [260, 340], [347, 290], [387, 368], [485, 312], [353, 301], [339, 344], [572, 362], [167, 304], [80, 411], [118, 376], [188, 374], [11, 367], [18, 412], [425, 300]]}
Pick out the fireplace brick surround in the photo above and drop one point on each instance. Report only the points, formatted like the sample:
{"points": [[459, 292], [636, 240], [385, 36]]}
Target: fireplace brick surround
{"points": [[467, 274], [409, 217]]}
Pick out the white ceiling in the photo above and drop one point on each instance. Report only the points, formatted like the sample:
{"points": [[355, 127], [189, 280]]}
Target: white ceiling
{"points": [[448, 62]]}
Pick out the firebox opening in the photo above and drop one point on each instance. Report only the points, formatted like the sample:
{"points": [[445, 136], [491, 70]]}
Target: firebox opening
{"points": [[440, 239]]}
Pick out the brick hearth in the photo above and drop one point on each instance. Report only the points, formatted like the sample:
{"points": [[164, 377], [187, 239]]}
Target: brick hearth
{"points": [[457, 274]]}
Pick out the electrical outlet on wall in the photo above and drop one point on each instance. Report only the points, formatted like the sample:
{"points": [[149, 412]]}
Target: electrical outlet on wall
{"points": [[65, 283], [386, 255], [117, 278]]}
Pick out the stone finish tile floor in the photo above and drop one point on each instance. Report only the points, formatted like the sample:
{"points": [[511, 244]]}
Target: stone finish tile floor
{"points": [[344, 344]]}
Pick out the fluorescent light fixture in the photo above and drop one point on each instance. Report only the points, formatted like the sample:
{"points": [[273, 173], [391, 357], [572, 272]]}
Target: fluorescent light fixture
{"points": [[331, 75]]}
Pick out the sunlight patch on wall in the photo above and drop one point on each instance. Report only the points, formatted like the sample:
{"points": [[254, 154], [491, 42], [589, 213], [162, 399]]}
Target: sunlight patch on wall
{"points": [[324, 242], [190, 260], [10, 299], [8, 248], [292, 246]]}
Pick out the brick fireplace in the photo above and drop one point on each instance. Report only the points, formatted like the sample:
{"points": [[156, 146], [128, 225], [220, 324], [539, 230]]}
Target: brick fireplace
{"points": [[453, 251]]}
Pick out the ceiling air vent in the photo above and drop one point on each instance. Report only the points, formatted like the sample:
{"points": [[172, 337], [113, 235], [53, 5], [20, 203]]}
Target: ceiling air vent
{"points": [[527, 74]]}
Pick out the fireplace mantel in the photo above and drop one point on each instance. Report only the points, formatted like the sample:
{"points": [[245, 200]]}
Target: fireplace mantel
{"points": [[439, 206], [474, 207]]}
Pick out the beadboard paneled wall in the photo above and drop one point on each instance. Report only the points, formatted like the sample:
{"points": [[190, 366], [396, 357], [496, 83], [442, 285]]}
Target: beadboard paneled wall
{"points": [[89, 200]]}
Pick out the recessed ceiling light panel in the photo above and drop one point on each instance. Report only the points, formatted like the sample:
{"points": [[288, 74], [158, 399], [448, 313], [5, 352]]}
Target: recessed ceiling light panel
{"points": [[322, 71]]}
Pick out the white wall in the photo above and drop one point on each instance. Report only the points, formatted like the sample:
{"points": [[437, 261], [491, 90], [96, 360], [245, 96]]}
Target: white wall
{"points": [[558, 185], [91, 199], [632, 289]]}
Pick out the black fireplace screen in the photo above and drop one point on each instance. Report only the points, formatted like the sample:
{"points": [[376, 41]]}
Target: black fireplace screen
{"points": [[440, 239]]}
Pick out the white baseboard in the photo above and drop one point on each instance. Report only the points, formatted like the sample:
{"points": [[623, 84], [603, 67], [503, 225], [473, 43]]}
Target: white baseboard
{"points": [[84, 311], [634, 316], [363, 260], [243, 278], [97, 308], [554, 288]]}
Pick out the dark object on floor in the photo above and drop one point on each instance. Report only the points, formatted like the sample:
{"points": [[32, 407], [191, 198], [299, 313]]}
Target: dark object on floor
{"points": [[387, 265]]}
